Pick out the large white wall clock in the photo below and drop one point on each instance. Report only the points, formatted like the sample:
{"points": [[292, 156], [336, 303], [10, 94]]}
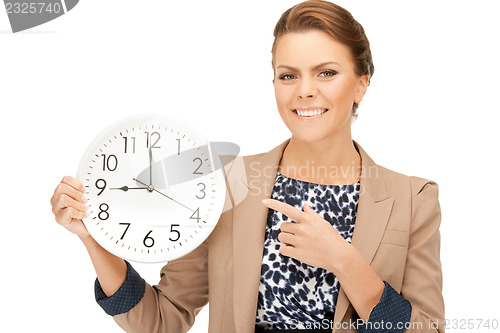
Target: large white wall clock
{"points": [[154, 189]]}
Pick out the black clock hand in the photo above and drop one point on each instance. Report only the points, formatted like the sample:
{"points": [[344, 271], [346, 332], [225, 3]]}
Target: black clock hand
{"points": [[150, 166], [126, 188], [166, 196]]}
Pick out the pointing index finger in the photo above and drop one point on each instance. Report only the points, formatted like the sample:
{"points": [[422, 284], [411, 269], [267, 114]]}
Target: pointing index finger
{"points": [[293, 213]]}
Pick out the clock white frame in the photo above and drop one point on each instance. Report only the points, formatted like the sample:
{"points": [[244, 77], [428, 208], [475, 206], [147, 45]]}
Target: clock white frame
{"points": [[141, 210]]}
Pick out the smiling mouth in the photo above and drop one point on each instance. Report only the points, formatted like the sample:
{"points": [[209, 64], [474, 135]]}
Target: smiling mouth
{"points": [[310, 113]]}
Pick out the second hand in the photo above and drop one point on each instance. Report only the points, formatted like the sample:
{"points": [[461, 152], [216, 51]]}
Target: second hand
{"points": [[165, 195]]}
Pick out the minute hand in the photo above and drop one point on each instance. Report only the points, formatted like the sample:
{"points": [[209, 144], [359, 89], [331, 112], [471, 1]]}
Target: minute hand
{"points": [[165, 195], [150, 166]]}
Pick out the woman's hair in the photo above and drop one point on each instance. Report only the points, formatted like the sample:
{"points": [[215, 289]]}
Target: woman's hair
{"points": [[338, 23]]}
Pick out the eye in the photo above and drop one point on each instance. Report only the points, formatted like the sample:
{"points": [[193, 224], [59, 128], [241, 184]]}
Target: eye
{"points": [[286, 77], [328, 73]]}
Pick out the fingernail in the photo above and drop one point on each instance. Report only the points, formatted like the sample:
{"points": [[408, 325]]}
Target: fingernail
{"points": [[84, 199], [266, 201], [85, 207]]}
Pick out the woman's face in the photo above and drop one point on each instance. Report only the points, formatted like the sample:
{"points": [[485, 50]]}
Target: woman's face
{"points": [[313, 73]]}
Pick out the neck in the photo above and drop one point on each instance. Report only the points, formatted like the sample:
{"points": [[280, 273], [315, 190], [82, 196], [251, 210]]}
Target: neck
{"points": [[329, 161]]}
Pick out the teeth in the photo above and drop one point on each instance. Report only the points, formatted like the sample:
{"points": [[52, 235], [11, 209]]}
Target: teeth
{"points": [[310, 113]]}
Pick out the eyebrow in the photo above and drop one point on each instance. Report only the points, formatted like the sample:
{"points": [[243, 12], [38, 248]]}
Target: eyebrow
{"points": [[313, 68]]}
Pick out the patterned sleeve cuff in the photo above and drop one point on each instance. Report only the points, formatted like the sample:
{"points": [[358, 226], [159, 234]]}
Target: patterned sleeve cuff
{"points": [[391, 314], [126, 297]]}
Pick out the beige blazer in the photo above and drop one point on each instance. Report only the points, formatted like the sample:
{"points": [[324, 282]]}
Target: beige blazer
{"points": [[396, 231]]}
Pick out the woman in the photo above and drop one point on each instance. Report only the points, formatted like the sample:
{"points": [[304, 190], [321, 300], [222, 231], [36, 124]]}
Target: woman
{"points": [[319, 237]]}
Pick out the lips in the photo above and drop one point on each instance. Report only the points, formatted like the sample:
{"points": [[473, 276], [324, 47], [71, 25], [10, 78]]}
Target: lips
{"points": [[310, 111]]}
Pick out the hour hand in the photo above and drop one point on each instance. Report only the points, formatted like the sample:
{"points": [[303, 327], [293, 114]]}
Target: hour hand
{"points": [[126, 188]]}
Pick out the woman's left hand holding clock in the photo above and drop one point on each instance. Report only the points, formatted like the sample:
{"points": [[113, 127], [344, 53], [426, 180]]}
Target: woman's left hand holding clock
{"points": [[69, 205]]}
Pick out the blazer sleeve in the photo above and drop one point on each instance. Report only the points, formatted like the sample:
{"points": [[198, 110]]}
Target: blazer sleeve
{"points": [[423, 279], [172, 304]]}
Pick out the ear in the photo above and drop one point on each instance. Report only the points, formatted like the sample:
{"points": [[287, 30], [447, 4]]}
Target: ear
{"points": [[361, 88]]}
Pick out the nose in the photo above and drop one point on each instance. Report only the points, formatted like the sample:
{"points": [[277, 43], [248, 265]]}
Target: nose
{"points": [[307, 88]]}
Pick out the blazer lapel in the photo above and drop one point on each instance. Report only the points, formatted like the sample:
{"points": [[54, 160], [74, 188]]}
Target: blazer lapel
{"points": [[374, 208], [249, 224]]}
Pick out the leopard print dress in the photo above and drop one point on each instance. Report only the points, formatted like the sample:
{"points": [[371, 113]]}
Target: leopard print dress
{"points": [[293, 294]]}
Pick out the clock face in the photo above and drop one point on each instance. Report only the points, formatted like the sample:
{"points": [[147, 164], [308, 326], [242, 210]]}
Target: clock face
{"points": [[153, 189]]}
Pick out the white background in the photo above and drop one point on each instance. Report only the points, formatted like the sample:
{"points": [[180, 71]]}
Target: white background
{"points": [[431, 111]]}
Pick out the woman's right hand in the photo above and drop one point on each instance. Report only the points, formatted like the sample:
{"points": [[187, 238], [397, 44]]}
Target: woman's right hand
{"points": [[69, 205]]}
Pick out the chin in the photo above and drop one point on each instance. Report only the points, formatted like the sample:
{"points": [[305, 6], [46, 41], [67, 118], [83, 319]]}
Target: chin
{"points": [[313, 134]]}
